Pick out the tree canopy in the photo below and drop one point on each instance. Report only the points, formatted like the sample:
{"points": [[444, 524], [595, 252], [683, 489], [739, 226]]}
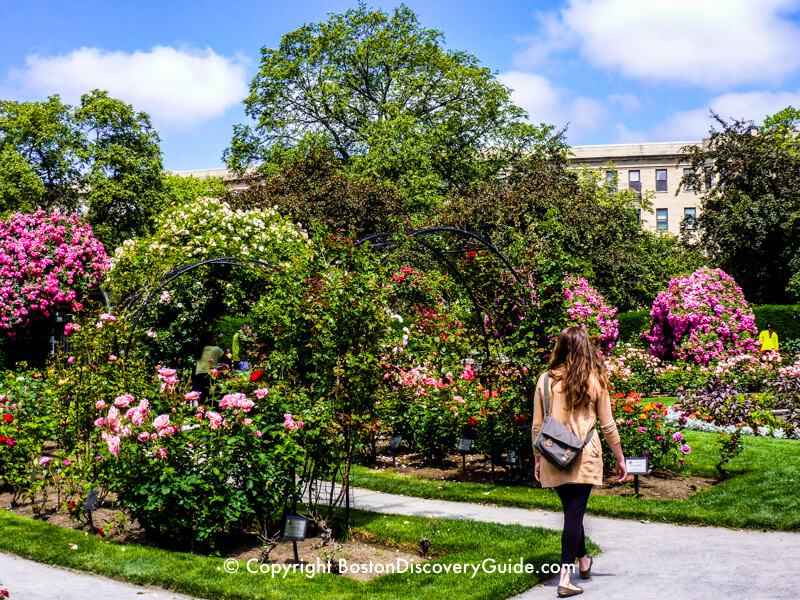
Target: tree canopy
{"points": [[388, 98], [576, 223], [101, 157], [750, 219]]}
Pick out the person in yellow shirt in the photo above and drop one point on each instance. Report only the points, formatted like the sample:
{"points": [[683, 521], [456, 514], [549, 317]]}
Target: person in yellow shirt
{"points": [[768, 340]]}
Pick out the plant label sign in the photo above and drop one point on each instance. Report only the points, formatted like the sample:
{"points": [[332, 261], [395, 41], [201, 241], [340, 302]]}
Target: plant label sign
{"points": [[394, 442], [511, 458], [464, 444], [91, 500], [637, 466], [294, 528]]}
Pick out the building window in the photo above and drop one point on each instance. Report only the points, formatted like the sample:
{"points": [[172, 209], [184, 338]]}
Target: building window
{"points": [[634, 182], [709, 178], [611, 179], [689, 217], [661, 219], [687, 187], [661, 180]]}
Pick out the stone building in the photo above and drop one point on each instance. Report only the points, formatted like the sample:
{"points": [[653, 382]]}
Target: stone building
{"points": [[653, 167]]}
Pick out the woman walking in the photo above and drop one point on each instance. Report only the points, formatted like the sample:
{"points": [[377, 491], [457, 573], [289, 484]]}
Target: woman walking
{"points": [[578, 396]]}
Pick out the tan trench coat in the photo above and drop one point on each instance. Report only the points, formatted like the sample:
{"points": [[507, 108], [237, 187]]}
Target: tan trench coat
{"points": [[588, 467]]}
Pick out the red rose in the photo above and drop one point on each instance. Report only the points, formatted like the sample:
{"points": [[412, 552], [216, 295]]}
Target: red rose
{"points": [[256, 375], [7, 418], [4, 592], [473, 421]]}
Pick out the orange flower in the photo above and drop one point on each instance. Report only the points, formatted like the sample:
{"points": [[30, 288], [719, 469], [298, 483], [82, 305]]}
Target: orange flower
{"points": [[627, 409], [618, 396], [480, 388], [658, 425], [642, 416]]}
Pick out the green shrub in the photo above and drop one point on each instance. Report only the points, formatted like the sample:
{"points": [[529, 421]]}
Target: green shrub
{"points": [[785, 320], [226, 327], [631, 324]]}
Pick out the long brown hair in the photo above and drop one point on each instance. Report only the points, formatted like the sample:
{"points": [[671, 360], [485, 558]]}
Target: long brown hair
{"points": [[580, 359]]}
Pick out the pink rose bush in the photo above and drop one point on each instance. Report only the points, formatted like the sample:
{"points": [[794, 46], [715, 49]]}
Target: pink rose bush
{"points": [[587, 309], [702, 317], [166, 454], [46, 260]]}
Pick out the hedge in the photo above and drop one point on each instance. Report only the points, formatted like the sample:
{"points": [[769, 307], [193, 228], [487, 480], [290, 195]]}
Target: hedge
{"points": [[631, 324], [785, 320], [226, 327]]}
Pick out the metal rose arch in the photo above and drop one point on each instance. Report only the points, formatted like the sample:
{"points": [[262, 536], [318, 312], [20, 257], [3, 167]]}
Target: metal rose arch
{"points": [[443, 244], [139, 302]]}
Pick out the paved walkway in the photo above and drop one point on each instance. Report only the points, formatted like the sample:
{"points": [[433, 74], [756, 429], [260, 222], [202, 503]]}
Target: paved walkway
{"points": [[28, 580], [644, 561], [641, 561]]}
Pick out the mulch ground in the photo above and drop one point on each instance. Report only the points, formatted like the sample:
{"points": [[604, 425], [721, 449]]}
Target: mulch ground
{"points": [[659, 484]]}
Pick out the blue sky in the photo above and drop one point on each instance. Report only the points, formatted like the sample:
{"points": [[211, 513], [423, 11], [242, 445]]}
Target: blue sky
{"points": [[616, 70]]}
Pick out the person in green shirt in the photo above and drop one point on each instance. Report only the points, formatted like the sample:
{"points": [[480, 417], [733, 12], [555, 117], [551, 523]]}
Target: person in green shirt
{"points": [[240, 348], [207, 360], [768, 340]]}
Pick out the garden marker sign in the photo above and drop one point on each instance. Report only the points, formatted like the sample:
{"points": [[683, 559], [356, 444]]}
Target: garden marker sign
{"points": [[637, 466], [294, 530], [394, 444], [464, 444]]}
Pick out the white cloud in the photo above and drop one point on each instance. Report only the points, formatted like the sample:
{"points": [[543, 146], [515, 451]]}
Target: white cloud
{"points": [[179, 87], [701, 42], [695, 124], [546, 103]]}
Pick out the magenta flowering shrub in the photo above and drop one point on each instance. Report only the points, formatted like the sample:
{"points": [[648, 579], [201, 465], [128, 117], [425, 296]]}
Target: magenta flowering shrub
{"points": [[587, 309], [702, 317], [45, 260]]}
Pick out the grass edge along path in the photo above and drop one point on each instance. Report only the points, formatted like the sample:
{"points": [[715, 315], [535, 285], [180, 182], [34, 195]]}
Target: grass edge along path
{"points": [[762, 492], [204, 576]]}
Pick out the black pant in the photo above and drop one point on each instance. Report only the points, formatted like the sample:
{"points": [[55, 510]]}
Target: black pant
{"points": [[201, 382], [574, 497]]}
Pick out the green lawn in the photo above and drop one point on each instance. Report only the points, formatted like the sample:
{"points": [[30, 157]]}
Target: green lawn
{"points": [[460, 541], [762, 493]]}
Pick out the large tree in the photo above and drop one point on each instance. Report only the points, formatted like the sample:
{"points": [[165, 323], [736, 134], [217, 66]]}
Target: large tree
{"points": [[101, 157], [750, 219], [40, 155], [388, 98], [573, 222]]}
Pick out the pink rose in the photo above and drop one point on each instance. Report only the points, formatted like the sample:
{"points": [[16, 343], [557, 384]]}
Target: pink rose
{"points": [[161, 421], [100, 404], [123, 401], [144, 436], [192, 396], [113, 445]]}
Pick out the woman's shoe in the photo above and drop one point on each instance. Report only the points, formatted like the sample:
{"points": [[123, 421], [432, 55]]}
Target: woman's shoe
{"points": [[566, 592], [587, 574]]}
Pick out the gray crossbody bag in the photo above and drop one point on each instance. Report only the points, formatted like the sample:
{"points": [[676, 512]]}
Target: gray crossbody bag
{"points": [[555, 442]]}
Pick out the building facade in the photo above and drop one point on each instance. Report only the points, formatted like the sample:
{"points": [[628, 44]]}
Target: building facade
{"points": [[657, 168]]}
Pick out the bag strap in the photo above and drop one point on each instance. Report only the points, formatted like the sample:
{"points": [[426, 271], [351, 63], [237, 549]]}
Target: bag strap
{"points": [[546, 401], [546, 398]]}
